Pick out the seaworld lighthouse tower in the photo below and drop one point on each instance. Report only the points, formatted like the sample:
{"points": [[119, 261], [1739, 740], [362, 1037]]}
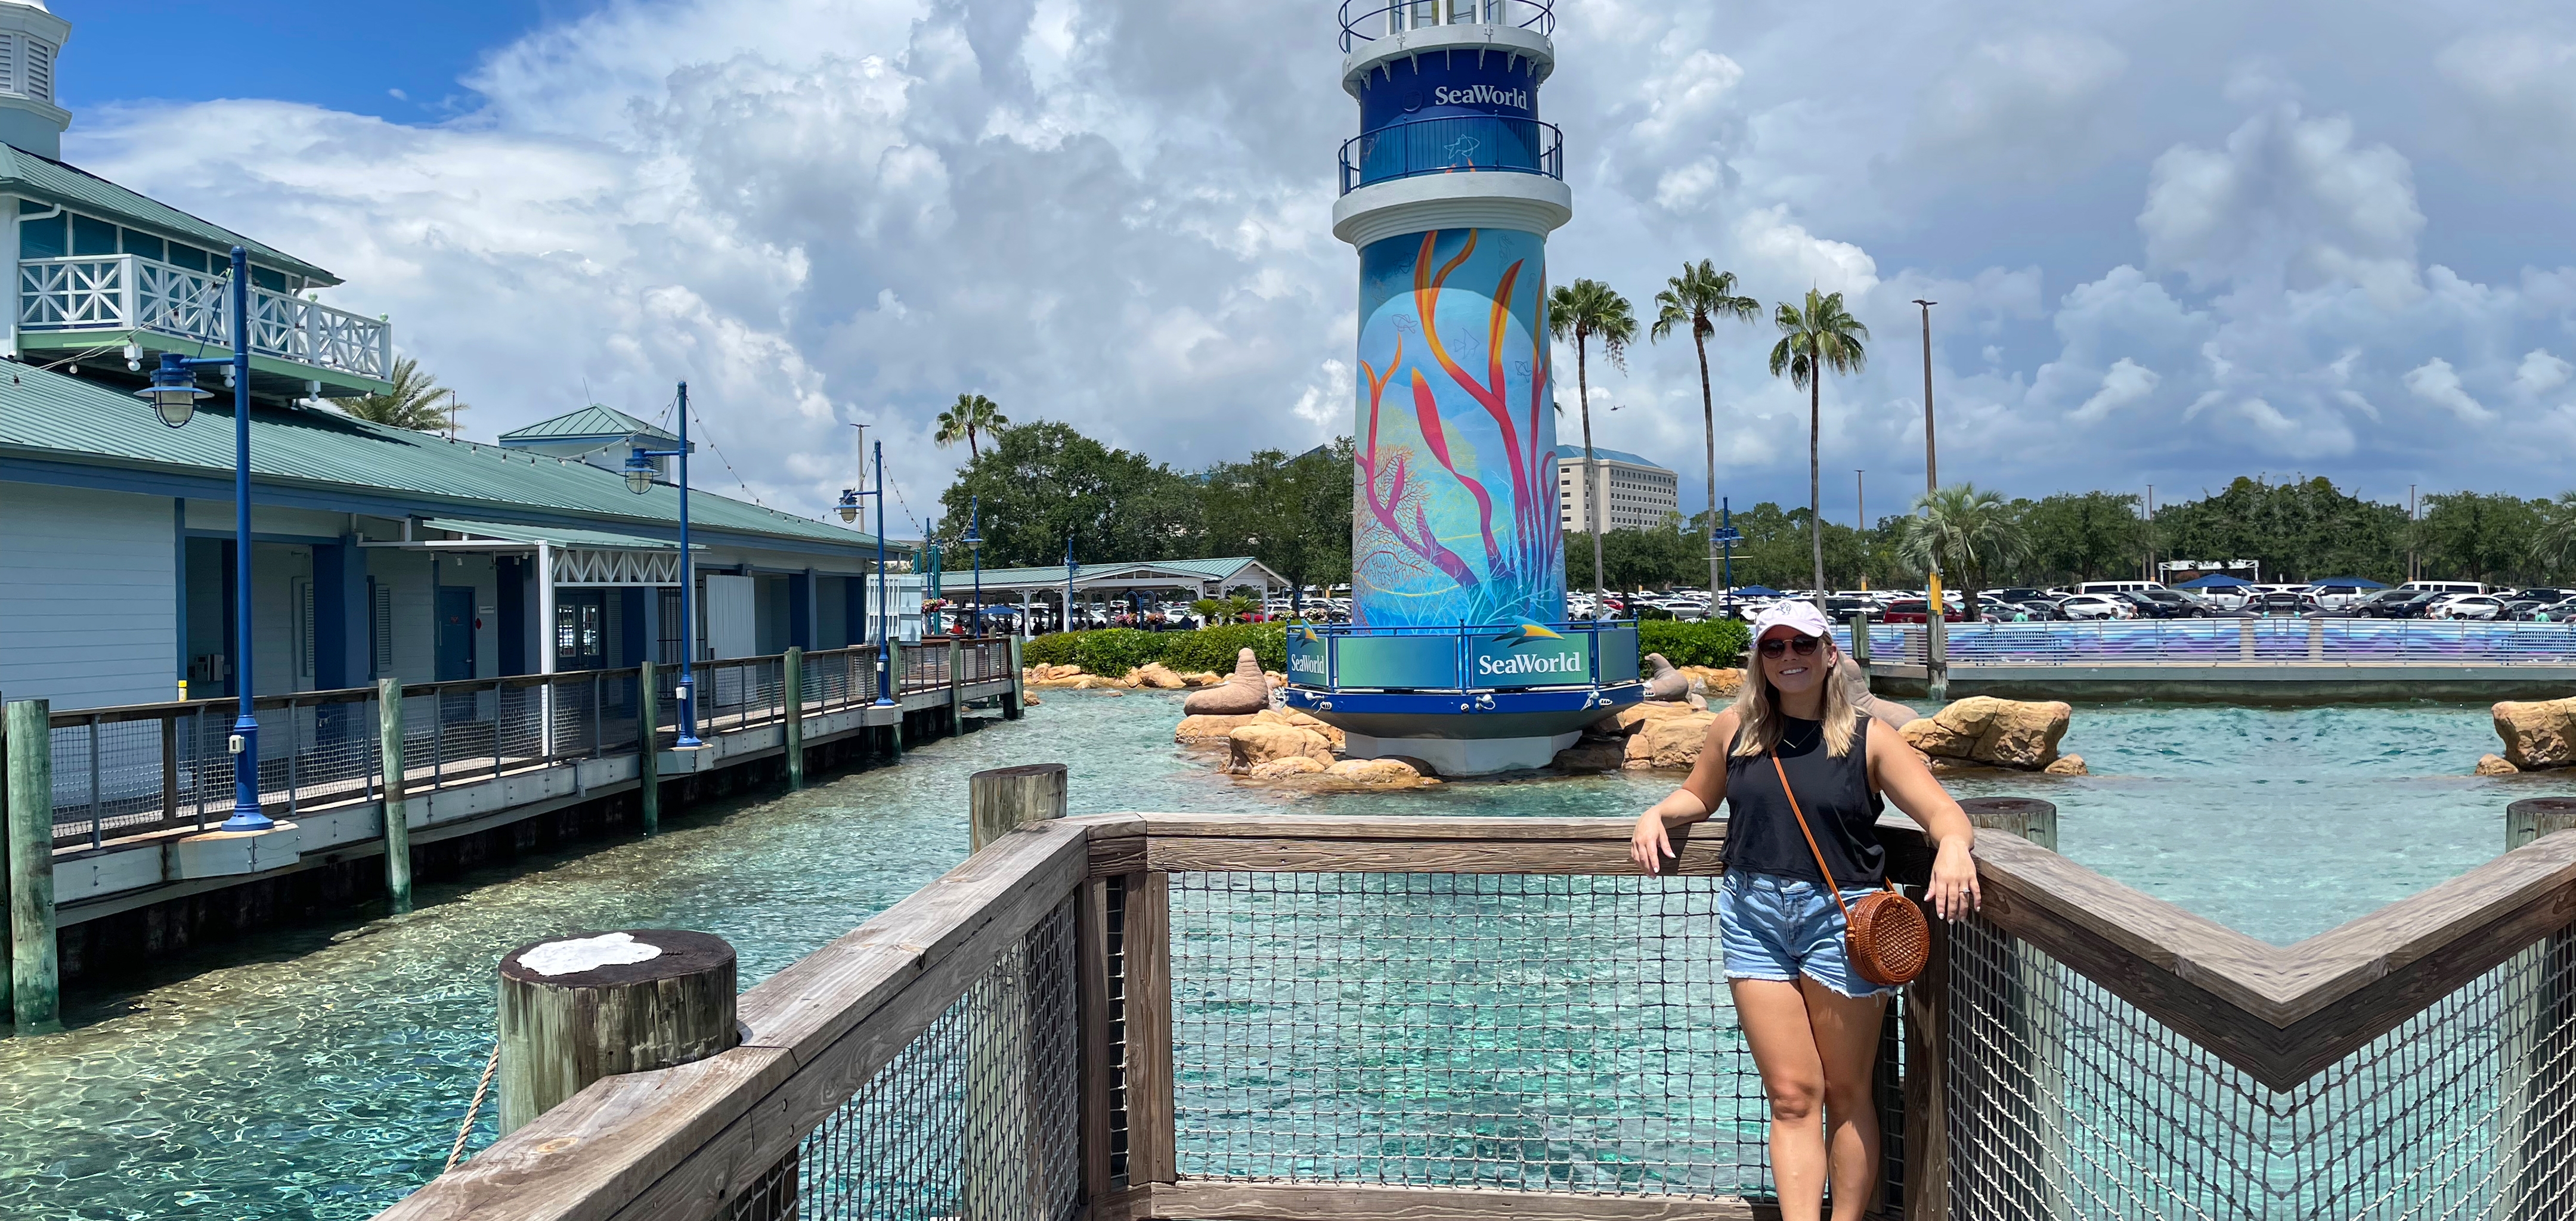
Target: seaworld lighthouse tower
{"points": [[1456, 654]]}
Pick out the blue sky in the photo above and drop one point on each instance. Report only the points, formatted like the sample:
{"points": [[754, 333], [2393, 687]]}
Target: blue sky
{"points": [[2175, 241], [346, 57]]}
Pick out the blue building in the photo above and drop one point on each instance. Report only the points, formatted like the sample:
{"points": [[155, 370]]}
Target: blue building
{"points": [[378, 551]]}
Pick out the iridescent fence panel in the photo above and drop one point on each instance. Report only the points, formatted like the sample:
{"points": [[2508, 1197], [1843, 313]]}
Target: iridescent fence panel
{"points": [[974, 1118], [1499, 1031], [2274, 639], [2068, 1102]]}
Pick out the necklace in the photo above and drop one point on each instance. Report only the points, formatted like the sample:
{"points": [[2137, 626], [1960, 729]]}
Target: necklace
{"points": [[1803, 745]]}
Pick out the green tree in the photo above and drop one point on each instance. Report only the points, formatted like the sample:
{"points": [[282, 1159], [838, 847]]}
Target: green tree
{"points": [[2082, 536], [1968, 531], [2471, 536], [973, 416], [1696, 298], [1293, 514], [2553, 543], [414, 402], [2301, 530], [1817, 339], [1045, 483], [1584, 311]]}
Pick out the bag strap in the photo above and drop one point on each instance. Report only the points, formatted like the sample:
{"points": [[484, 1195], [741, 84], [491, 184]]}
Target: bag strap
{"points": [[1831, 887]]}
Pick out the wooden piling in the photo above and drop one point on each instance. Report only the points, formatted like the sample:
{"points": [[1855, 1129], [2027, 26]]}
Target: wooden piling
{"points": [[794, 711], [1004, 799], [603, 1013], [2533, 817], [35, 976], [1860, 637], [1017, 702], [648, 746], [2026, 817], [397, 829], [956, 689]]}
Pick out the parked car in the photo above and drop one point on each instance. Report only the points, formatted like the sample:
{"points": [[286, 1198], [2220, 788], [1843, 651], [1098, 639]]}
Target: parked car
{"points": [[2096, 606], [2157, 602], [2282, 602], [1917, 610], [2467, 606], [2341, 597], [2399, 603], [2555, 603], [2225, 597]]}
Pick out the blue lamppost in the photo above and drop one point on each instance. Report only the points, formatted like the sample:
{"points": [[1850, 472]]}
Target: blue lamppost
{"points": [[174, 394], [639, 480], [975, 542], [849, 508]]}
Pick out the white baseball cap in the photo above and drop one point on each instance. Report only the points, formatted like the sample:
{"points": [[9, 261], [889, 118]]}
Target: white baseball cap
{"points": [[1797, 614]]}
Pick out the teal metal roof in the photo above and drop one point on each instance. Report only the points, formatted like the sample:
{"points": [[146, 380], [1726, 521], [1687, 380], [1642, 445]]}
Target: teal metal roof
{"points": [[55, 417], [1054, 574], [561, 536], [585, 424], [1574, 453], [43, 178]]}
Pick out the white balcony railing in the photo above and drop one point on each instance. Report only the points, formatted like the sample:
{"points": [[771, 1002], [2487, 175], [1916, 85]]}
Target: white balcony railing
{"points": [[129, 292]]}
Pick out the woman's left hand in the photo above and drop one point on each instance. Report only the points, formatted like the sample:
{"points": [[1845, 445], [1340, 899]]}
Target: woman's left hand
{"points": [[1954, 882]]}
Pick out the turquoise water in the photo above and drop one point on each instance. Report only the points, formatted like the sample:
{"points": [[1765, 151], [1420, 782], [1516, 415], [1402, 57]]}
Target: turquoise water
{"points": [[321, 1072]]}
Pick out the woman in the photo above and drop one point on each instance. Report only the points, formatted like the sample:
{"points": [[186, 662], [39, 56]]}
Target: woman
{"points": [[1811, 1018]]}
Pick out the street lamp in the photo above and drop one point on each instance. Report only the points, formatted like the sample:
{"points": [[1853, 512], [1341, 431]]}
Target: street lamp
{"points": [[975, 542], [849, 511], [173, 395], [639, 480]]}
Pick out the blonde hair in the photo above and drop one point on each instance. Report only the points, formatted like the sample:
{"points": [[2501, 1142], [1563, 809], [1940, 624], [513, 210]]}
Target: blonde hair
{"points": [[1757, 708]]}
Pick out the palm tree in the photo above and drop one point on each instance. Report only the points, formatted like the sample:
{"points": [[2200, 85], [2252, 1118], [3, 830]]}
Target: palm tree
{"points": [[2553, 546], [1815, 340], [973, 415], [1698, 297], [413, 402], [1967, 530], [1584, 311]]}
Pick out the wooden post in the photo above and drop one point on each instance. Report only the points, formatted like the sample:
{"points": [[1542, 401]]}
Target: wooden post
{"points": [[956, 689], [2539, 1013], [2026, 817], [7, 968], [1927, 1101], [1017, 702], [1093, 1015], [1860, 637], [389, 748], [648, 746], [35, 977], [794, 710], [1147, 954], [1007, 798], [999, 1088], [576, 1009]]}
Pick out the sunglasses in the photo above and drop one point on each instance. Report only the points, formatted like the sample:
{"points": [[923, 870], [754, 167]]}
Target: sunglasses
{"points": [[1803, 646]]}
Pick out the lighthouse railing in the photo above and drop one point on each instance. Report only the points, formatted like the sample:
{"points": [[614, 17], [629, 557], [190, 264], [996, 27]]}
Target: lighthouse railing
{"points": [[1453, 144]]}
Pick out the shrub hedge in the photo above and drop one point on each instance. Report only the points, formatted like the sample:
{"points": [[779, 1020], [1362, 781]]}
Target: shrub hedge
{"points": [[1112, 652], [1711, 642]]}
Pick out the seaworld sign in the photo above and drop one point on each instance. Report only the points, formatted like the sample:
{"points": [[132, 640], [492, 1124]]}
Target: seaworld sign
{"points": [[1481, 95], [1532, 662]]}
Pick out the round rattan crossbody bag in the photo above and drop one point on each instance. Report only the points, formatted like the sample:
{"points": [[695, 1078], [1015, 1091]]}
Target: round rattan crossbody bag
{"points": [[1886, 934]]}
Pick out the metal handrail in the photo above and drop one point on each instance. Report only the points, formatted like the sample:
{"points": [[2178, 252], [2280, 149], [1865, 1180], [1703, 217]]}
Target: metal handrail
{"points": [[1454, 144], [111, 291], [1398, 15]]}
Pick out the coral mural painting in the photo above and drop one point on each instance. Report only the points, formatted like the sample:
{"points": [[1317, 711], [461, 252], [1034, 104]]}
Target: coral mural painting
{"points": [[1456, 514]]}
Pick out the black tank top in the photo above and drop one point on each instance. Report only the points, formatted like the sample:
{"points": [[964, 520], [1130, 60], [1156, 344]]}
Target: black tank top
{"points": [[1762, 835]]}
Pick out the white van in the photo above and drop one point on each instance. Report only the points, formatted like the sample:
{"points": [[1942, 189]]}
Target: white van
{"points": [[2117, 587], [2448, 587]]}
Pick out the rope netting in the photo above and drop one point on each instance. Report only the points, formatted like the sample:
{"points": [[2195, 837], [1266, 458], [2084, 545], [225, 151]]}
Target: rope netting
{"points": [[2068, 1102], [1529, 1032], [974, 1118]]}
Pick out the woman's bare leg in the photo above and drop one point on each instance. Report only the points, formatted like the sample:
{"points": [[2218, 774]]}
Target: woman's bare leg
{"points": [[1845, 1033], [1774, 1014]]}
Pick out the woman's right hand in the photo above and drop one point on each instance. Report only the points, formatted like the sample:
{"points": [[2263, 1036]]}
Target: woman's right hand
{"points": [[1650, 843]]}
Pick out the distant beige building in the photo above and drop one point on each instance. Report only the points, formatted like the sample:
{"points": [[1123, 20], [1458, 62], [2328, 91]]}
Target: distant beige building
{"points": [[1635, 493]]}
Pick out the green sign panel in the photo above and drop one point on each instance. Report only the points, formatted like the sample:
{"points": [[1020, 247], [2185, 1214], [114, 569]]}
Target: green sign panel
{"points": [[1618, 655], [1396, 662], [1309, 661], [1530, 661]]}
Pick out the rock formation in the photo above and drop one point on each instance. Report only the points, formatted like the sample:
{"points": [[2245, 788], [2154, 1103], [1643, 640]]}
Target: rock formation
{"points": [[1158, 676], [2495, 765], [2537, 733], [1250, 746], [1983, 731], [1714, 682], [1665, 684], [1650, 735], [1246, 693]]}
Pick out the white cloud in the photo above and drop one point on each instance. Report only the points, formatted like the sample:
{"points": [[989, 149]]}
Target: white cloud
{"points": [[2437, 383], [2539, 373], [2289, 201], [2126, 384]]}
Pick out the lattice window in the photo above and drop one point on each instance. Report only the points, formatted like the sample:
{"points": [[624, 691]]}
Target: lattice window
{"points": [[382, 619], [8, 63], [39, 81]]}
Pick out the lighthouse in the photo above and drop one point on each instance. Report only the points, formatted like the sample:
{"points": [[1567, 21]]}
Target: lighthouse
{"points": [[1456, 654]]}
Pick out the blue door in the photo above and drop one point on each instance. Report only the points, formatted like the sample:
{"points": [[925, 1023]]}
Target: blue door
{"points": [[455, 633]]}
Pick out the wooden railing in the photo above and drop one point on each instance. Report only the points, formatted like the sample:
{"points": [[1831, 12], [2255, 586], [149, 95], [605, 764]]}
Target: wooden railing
{"points": [[1463, 1017]]}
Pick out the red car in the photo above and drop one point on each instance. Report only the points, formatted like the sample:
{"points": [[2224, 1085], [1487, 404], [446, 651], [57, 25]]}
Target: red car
{"points": [[1917, 611]]}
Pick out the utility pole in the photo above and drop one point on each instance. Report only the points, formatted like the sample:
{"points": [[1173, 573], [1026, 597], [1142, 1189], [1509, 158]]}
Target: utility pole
{"points": [[1936, 634], [1860, 513], [2412, 573], [2151, 532]]}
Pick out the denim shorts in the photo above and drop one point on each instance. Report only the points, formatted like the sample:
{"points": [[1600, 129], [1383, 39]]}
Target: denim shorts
{"points": [[1777, 928]]}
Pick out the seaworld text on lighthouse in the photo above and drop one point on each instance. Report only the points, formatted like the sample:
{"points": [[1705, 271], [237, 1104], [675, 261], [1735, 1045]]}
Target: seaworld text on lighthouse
{"points": [[1458, 653]]}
